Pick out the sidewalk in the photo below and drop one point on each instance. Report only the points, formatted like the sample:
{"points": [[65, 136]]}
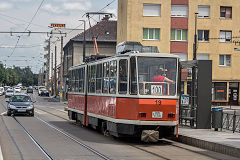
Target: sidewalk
{"points": [[224, 142]]}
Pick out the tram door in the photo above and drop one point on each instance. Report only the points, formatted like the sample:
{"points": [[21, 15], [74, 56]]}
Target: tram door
{"points": [[233, 93]]}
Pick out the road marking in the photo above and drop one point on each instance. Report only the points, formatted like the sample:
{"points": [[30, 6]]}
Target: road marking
{"points": [[61, 110], [3, 113], [40, 112]]}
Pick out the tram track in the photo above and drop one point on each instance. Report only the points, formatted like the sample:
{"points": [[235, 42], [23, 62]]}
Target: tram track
{"points": [[138, 146], [41, 148]]}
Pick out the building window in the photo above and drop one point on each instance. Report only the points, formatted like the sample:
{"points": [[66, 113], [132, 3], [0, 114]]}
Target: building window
{"points": [[179, 11], [151, 9], [202, 56], [203, 35], [226, 12], [179, 35], [225, 60], [220, 91], [151, 34], [203, 11], [225, 36]]}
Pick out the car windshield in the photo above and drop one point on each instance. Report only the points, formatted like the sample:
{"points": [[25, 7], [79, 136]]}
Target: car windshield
{"points": [[20, 98], [9, 91]]}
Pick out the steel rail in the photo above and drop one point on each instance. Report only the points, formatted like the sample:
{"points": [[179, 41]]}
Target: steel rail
{"points": [[34, 140], [75, 140]]}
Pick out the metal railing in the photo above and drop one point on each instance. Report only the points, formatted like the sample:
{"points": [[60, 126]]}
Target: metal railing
{"points": [[231, 121], [185, 118]]}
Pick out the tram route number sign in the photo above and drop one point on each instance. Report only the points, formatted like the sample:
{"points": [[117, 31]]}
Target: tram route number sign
{"points": [[156, 89], [184, 100], [157, 114]]}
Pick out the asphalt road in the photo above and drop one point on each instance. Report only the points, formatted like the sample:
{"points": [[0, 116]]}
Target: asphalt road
{"points": [[56, 137]]}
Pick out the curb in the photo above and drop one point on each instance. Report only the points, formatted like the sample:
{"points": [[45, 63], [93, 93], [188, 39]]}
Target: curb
{"points": [[216, 147]]}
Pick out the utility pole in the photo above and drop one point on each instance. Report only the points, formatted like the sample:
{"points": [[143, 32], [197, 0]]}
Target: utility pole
{"points": [[194, 73], [84, 39], [61, 69], [55, 72], [52, 73]]}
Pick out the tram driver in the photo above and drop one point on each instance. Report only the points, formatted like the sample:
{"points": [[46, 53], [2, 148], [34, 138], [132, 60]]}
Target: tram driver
{"points": [[163, 86]]}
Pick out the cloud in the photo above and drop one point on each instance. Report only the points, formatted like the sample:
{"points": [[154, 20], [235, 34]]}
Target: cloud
{"points": [[54, 9], [21, 0], [77, 6], [5, 6], [66, 7]]}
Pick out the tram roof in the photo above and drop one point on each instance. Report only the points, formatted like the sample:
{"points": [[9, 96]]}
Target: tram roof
{"points": [[164, 55]]}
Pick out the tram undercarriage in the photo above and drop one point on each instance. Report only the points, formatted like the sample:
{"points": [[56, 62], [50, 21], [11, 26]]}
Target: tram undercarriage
{"points": [[151, 133]]}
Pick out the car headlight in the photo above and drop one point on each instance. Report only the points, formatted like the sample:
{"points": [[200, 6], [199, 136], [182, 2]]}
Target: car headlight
{"points": [[11, 106], [30, 107]]}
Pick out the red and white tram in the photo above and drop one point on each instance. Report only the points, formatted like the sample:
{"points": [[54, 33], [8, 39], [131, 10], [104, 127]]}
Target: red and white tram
{"points": [[120, 94]]}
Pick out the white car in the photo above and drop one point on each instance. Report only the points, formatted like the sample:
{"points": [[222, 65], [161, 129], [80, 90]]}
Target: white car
{"points": [[40, 90], [9, 93], [1, 91], [17, 90]]}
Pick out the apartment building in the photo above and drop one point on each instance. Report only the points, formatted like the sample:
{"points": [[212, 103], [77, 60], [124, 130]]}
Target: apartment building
{"points": [[170, 25]]}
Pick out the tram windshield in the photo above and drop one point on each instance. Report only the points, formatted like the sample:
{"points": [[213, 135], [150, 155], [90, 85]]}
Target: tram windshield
{"points": [[157, 76]]}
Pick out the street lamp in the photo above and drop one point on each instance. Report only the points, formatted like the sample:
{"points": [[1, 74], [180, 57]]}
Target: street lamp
{"points": [[84, 39], [195, 39]]}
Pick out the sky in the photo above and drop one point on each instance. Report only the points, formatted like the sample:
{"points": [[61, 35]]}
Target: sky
{"points": [[36, 15]]}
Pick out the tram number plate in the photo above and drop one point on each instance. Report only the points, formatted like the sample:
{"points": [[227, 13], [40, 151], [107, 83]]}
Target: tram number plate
{"points": [[157, 114], [156, 89], [21, 110]]}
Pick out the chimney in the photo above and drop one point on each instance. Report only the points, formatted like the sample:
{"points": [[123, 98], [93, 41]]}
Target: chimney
{"points": [[106, 18]]}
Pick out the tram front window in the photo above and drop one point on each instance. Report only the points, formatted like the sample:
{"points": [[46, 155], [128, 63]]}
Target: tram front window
{"points": [[157, 76]]}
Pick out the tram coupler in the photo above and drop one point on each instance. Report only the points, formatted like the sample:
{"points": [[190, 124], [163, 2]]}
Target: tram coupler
{"points": [[150, 136]]}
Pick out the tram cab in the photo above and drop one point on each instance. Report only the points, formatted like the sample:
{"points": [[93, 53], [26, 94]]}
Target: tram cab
{"points": [[128, 93]]}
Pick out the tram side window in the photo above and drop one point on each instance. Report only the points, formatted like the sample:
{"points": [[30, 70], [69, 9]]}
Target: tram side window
{"points": [[92, 79], [73, 80], [77, 80], [123, 76], [81, 80], [99, 78], [105, 77], [133, 76], [70, 81], [113, 77]]}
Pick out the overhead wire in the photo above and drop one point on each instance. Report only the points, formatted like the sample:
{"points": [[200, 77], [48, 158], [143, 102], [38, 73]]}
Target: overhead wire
{"points": [[26, 28], [21, 20], [92, 16]]}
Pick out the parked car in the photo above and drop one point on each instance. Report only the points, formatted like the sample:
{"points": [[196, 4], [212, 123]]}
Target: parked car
{"points": [[24, 88], [29, 90], [44, 92], [40, 90], [6, 88], [1, 91], [9, 93], [20, 103], [17, 90]]}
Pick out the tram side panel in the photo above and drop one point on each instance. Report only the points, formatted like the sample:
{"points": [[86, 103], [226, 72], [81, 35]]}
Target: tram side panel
{"points": [[76, 105], [100, 109]]}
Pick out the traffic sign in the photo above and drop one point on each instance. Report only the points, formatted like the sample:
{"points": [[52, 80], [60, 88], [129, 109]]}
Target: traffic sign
{"points": [[55, 25]]}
